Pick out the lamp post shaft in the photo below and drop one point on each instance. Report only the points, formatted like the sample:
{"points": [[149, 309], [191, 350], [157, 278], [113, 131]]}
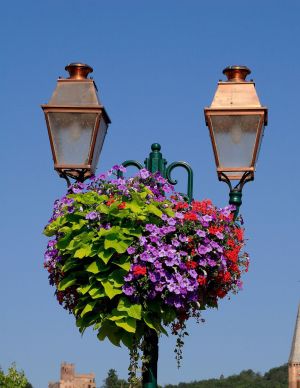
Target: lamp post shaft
{"points": [[154, 163]]}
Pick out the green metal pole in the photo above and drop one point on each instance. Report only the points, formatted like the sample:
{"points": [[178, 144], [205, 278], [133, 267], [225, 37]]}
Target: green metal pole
{"points": [[155, 162], [151, 356], [235, 198]]}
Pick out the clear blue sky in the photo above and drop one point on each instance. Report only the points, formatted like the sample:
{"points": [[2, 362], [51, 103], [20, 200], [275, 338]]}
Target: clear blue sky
{"points": [[156, 64]]}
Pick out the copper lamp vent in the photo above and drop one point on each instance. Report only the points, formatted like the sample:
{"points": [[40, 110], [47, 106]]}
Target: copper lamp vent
{"points": [[78, 71], [236, 73]]}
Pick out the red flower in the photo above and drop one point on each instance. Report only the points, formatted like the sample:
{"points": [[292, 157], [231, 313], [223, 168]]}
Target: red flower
{"points": [[226, 277], [202, 206], [239, 234], [234, 267], [233, 254], [139, 270], [122, 205], [201, 280], [215, 229], [190, 216], [231, 243], [221, 293], [181, 205], [191, 264], [108, 203]]}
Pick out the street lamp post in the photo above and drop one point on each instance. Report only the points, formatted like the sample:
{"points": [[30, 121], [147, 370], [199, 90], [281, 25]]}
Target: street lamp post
{"points": [[77, 124]]}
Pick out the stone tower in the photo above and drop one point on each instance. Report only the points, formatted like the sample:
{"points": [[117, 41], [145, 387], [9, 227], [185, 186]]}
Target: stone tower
{"points": [[294, 360], [69, 379], [67, 371]]}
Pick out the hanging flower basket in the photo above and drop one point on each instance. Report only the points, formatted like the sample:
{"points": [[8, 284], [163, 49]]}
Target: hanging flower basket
{"points": [[130, 254]]}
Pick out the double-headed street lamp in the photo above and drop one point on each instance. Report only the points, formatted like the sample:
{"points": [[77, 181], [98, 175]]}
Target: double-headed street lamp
{"points": [[77, 124]]}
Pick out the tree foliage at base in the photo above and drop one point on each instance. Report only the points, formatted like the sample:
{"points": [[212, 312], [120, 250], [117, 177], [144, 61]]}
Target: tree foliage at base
{"points": [[274, 378], [13, 378]]}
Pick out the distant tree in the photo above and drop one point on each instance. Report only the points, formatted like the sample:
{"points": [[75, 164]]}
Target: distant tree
{"points": [[112, 380], [13, 378], [274, 378]]}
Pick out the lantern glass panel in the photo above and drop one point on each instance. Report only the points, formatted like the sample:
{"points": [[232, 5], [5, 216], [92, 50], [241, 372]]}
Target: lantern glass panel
{"points": [[235, 138], [99, 142], [72, 135]]}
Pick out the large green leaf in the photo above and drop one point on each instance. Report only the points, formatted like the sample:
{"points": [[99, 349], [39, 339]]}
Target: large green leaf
{"points": [[127, 339], [67, 282], [88, 308], [111, 331], [84, 289], [106, 254], [154, 210], [85, 251], [123, 262], [133, 310], [94, 267], [154, 323], [96, 293], [117, 315], [110, 289], [128, 324], [118, 245], [117, 277], [134, 207]]}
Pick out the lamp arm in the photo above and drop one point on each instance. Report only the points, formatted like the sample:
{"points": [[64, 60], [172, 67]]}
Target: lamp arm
{"points": [[190, 173], [127, 163]]}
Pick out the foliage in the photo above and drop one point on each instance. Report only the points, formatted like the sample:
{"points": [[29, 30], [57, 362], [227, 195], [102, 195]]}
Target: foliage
{"points": [[112, 380], [274, 378], [13, 378], [125, 257]]}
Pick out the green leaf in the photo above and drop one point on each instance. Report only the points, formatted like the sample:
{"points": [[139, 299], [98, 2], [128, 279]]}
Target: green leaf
{"points": [[117, 277], [85, 251], [124, 304], [117, 315], [88, 308], [169, 212], [111, 331], [117, 245], [128, 324], [96, 293], [106, 255], [134, 207], [110, 290], [67, 282], [154, 210], [127, 339], [154, 323], [70, 264], [94, 267], [123, 262], [84, 289], [133, 310]]}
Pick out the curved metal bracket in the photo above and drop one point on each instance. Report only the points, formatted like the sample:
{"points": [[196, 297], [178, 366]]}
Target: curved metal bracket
{"points": [[235, 193], [247, 177], [77, 175], [127, 163], [190, 173]]}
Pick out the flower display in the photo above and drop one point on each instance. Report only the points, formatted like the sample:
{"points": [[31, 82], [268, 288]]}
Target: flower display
{"points": [[130, 254]]}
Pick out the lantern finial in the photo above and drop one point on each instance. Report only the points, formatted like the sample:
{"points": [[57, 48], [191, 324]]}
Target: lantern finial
{"points": [[236, 73], [78, 70]]}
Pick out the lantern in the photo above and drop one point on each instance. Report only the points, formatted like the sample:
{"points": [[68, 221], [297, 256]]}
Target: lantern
{"points": [[77, 123]]}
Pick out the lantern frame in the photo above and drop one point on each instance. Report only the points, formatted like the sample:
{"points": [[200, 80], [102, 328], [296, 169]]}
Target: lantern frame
{"points": [[236, 97], [79, 171]]}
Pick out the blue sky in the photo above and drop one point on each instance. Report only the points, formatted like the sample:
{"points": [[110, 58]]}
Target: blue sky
{"points": [[156, 65]]}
